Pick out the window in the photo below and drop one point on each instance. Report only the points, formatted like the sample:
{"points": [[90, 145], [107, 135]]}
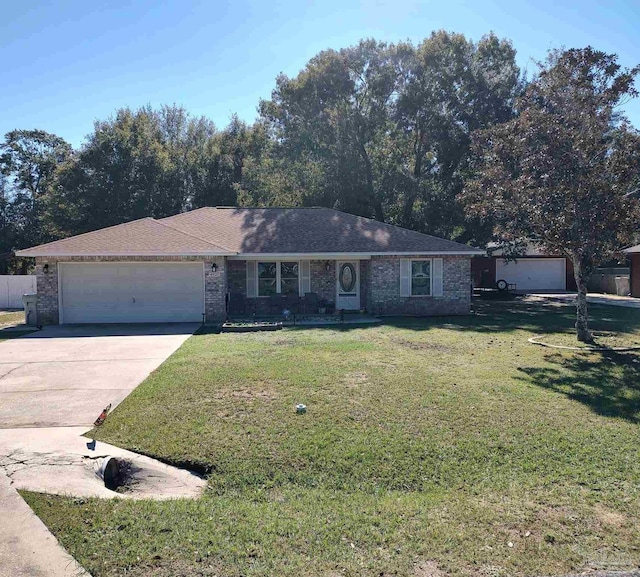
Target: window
{"points": [[288, 278], [267, 278], [420, 278], [278, 278]]}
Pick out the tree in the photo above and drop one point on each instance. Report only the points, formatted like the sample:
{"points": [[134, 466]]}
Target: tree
{"points": [[332, 117], [383, 130], [150, 163], [29, 161], [219, 167], [563, 171], [450, 87]]}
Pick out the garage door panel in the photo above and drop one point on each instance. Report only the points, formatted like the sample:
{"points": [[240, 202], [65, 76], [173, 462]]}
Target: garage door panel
{"points": [[131, 292], [546, 274]]}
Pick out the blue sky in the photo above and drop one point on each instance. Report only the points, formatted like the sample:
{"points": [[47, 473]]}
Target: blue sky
{"points": [[66, 64]]}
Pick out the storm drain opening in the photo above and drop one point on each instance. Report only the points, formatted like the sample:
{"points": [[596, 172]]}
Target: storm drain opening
{"points": [[117, 474]]}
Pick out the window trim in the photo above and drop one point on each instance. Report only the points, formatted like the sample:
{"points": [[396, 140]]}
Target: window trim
{"points": [[411, 261], [278, 276]]}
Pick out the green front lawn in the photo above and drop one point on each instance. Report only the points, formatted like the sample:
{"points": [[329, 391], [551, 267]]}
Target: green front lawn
{"points": [[448, 444]]}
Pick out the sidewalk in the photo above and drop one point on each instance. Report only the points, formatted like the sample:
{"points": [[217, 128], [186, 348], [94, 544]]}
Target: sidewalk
{"points": [[27, 548]]}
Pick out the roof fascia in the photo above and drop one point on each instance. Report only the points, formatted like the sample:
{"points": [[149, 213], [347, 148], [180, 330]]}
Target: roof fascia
{"points": [[28, 253], [348, 255]]}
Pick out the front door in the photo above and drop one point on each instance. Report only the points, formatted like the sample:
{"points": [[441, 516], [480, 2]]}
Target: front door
{"points": [[348, 285]]}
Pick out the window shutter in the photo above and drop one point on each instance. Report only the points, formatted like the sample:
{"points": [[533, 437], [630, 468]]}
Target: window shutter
{"points": [[252, 278], [305, 277], [405, 277], [437, 277]]}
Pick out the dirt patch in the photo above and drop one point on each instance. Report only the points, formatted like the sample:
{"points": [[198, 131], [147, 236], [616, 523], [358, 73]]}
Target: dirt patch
{"points": [[428, 569], [609, 518], [355, 379], [258, 394], [203, 567], [421, 346], [282, 341]]}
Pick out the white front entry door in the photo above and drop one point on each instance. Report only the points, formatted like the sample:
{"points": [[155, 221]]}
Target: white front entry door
{"points": [[348, 285]]}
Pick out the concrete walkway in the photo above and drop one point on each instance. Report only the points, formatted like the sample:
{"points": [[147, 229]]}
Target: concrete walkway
{"points": [[63, 377], [27, 548]]}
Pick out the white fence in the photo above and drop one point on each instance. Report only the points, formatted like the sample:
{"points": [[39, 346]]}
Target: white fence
{"points": [[12, 287]]}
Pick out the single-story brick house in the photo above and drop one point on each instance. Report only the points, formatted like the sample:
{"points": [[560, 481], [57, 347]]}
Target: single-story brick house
{"points": [[185, 267]]}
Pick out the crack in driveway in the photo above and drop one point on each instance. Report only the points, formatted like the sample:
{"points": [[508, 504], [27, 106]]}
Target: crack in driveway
{"points": [[11, 370]]}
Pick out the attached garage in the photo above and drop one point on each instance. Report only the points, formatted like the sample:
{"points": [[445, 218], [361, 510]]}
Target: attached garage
{"points": [[131, 292], [534, 274]]}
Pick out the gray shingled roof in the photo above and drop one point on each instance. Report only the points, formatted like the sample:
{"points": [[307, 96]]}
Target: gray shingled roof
{"points": [[230, 231], [144, 237], [305, 230]]}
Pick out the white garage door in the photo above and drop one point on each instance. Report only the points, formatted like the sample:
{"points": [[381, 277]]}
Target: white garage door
{"points": [[533, 274], [135, 292]]}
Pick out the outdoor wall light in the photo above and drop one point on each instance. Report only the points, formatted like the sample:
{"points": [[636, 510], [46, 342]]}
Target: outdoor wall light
{"points": [[214, 267], [45, 268], [327, 266]]}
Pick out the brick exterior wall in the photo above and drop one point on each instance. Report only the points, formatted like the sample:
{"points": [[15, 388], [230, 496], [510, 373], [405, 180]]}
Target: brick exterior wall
{"points": [[323, 281], [383, 296], [47, 284], [237, 276], [215, 289], [379, 285], [365, 280], [47, 289]]}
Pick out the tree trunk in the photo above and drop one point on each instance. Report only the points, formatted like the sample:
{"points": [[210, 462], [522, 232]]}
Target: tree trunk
{"points": [[373, 199], [411, 192], [582, 317]]}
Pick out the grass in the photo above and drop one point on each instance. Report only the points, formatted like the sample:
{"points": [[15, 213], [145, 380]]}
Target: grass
{"points": [[11, 317], [445, 446]]}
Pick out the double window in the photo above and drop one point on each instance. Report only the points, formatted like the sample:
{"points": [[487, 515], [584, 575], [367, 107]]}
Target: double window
{"points": [[421, 277], [278, 277]]}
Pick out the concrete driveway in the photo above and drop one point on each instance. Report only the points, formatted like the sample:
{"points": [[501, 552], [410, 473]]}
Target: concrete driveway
{"points": [[66, 375], [593, 298]]}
